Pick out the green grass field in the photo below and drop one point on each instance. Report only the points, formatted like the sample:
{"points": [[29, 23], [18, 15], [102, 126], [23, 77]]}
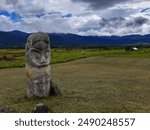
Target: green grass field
{"points": [[14, 58], [105, 81]]}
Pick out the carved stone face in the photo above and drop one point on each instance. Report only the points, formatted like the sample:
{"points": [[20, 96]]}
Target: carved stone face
{"points": [[38, 54]]}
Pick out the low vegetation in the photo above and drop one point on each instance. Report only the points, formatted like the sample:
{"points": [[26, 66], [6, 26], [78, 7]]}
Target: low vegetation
{"points": [[14, 58], [111, 81]]}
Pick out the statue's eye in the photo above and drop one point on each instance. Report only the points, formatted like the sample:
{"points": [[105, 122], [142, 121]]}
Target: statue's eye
{"points": [[36, 54], [47, 53]]}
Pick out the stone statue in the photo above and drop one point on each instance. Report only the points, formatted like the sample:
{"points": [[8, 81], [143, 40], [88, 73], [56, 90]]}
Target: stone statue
{"points": [[38, 56]]}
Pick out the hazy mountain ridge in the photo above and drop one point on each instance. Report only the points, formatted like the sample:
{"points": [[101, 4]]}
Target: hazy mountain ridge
{"points": [[18, 39]]}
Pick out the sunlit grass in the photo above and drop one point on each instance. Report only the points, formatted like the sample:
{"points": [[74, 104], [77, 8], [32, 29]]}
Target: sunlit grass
{"points": [[15, 57], [96, 84]]}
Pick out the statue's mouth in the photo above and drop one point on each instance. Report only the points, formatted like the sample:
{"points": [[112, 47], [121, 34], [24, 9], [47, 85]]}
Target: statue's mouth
{"points": [[38, 64], [44, 64]]}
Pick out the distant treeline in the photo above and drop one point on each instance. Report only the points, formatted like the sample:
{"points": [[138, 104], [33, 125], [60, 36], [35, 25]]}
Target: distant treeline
{"points": [[89, 47], [105, 47]]}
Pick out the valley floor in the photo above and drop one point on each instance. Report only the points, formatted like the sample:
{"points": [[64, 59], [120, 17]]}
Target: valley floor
{"points": [[95, 84]]}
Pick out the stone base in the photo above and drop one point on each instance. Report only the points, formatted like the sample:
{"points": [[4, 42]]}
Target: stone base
{"points": [[54, 90]]}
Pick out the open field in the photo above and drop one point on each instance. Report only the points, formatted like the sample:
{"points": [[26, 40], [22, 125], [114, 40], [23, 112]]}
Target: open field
{"points": [[14, 58], [112, 82]]}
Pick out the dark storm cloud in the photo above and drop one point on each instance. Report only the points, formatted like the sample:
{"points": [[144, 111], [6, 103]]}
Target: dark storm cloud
{"points": [[115, 26], [136, 22], [117, 21], [13, 2], [105, 3]]}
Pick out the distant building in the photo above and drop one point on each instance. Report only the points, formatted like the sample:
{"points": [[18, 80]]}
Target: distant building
{"points": [[131, 49], [135, 48]]}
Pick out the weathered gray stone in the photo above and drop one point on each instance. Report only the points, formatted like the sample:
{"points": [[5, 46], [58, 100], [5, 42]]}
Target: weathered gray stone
{"points": [[41, 108], [37, 65]]}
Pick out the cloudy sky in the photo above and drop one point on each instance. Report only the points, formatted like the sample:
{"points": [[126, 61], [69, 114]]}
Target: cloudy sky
{"points": [[83, 17]]}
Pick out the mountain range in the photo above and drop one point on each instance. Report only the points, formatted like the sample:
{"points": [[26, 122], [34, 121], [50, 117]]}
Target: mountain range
{"points": [[16, 39]]}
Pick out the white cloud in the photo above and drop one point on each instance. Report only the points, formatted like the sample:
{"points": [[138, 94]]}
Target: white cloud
{"points": [[33, 7], [95, 25], [47, 23], [6, 24], [117, 19]]}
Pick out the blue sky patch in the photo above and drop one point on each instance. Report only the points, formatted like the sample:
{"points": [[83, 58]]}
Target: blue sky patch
{"points": [[40, 15], [15, 17], [67, 16], [50, 13], [145, 9]]}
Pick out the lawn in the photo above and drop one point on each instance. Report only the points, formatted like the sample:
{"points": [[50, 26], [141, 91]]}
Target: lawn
{"points": [[14, 58], [114, 81]]}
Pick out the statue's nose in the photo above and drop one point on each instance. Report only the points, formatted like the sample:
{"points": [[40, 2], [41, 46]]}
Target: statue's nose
{"points": [[43, 59]]}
